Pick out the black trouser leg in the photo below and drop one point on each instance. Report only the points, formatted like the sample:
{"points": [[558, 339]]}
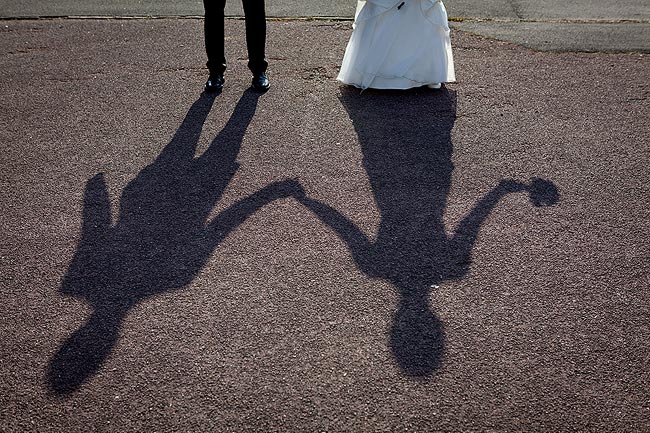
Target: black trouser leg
{"points": [[255, 35], [214, 35]]}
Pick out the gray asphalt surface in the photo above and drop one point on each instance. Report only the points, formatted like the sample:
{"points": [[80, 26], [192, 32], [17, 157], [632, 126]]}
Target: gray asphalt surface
{"points": [[635, 10], [470, 259], [584, 25]]}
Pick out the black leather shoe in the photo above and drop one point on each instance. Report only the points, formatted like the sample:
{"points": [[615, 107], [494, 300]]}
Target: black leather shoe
{"points": [[261, 82], [214, 83]]}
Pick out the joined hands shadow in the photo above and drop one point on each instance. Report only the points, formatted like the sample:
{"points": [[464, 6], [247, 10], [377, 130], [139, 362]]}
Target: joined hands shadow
{"points": [[405, 138], [161, 238]]}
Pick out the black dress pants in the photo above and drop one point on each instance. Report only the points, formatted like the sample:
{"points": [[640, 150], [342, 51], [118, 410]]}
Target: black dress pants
{"points": [[255, 35]]}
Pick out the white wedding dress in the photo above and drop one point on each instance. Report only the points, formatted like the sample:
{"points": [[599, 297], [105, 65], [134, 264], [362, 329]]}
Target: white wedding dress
{"points": [[398, 44]]}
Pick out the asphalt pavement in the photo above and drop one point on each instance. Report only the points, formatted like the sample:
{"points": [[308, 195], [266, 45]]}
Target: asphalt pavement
{"points": [[546, 25], [316, 258]]}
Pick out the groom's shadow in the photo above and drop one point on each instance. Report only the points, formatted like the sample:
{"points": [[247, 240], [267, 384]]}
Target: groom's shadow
{"points": [[161, 238], [407, 150]]}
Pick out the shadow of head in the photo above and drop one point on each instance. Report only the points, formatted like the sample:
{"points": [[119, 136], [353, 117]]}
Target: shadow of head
{"points": [[417, 339]]}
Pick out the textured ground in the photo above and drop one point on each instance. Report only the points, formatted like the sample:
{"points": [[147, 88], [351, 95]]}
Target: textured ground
{"points": [[325, 260], [546, 25]]}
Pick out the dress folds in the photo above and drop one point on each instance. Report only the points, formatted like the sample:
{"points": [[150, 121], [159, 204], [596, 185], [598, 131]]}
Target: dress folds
{"points": [[398, 44]]}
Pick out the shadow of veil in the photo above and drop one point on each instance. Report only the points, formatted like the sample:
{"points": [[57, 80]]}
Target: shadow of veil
{"points": [[405, 139], [161, 238]]}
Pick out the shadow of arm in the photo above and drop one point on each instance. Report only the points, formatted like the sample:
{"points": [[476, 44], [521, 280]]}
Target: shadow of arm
{"points": [[96, 210], [88, 258], [465, 235], [355, 239], [228, 220]]}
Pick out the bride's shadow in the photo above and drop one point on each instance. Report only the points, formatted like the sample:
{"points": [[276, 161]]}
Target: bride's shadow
{"points": [[161, 238], [407, 150]]}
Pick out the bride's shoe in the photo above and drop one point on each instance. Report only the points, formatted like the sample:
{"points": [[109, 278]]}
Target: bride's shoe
{"points": [[434, 86]]}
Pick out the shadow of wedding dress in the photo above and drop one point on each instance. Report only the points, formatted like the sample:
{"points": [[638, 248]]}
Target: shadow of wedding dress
{"points": [[405, 138]]}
